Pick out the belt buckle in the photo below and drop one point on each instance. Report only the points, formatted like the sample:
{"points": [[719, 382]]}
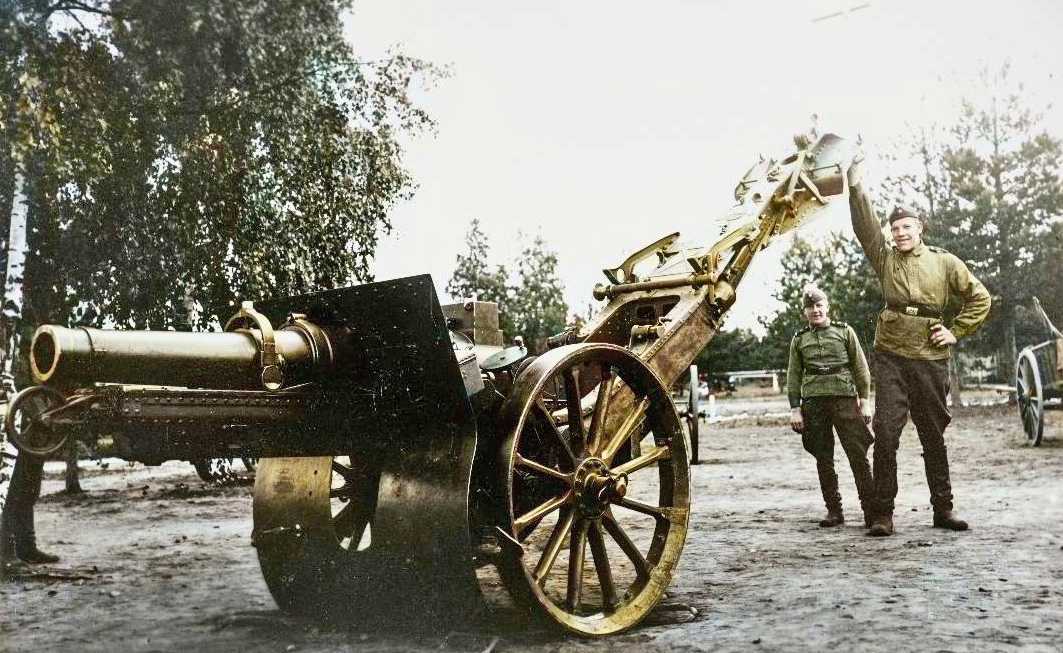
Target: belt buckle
{"points": [[911, 310]]}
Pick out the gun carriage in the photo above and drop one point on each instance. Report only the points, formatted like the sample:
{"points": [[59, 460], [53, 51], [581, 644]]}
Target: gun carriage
{"points": [[1039, 379], [401, 446]]}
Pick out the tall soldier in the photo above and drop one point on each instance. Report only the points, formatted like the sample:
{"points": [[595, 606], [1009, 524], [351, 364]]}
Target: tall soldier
{"points": [[912, 348], [827, 383]]}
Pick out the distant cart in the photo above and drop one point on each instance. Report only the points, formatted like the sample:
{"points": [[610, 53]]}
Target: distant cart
{"points": [[1039, 380]]}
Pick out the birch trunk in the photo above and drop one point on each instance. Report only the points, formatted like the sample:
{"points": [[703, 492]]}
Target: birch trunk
{"points": [[10, 318]]}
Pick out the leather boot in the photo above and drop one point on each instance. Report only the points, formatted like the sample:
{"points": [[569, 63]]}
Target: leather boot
{"points": [[947, 519], [881, 525], [26, 546], [936, 463], [828, 484], [865, 489], [833, 518]]}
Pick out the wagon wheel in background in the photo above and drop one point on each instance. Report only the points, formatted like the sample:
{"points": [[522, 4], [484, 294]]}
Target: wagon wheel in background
{"points": [[693, 417], [1029, 394], [566, 491]]}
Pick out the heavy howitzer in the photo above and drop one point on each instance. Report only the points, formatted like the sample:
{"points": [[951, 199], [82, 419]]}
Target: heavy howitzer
{"points": [[402, 445]]}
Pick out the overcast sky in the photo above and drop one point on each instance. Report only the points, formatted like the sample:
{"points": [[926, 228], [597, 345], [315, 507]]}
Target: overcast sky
{"points": [[606, 125]]}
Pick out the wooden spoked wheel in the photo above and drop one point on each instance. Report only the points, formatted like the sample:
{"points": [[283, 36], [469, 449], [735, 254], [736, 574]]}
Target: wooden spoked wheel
{"points": [[571, 484], [1030, 396], [312, 521], [352, 497]]}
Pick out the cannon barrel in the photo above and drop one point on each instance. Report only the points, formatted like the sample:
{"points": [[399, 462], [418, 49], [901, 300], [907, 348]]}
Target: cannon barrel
{"points": [[231, 360]]}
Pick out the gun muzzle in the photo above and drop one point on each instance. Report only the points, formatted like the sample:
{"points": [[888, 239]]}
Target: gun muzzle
{"points": [[72, 357]]}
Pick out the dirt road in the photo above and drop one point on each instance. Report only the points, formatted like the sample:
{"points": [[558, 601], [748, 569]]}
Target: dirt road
{"points": [[154, 561]]}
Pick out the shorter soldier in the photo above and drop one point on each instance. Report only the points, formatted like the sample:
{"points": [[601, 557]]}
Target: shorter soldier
{"points": [[828, 382], [17, 536]]}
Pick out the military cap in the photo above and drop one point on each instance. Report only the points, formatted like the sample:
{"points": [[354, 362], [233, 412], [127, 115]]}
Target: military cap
{"points": [[811, 294], [901, 212]]}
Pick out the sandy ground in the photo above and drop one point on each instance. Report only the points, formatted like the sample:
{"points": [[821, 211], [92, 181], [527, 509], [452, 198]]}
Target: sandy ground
{"points": [[155, 561]]}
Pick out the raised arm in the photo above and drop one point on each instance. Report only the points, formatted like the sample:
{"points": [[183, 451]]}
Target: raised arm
{"points": [[867, 227]]}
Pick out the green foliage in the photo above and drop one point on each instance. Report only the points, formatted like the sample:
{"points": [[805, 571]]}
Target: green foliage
{"points": [[1051, 294], [735, 350], [840, 268], [991, 185], [201, 152], [537, 301], [473, 277], [530, 301]]}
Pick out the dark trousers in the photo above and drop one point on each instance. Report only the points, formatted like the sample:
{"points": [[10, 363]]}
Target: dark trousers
{"points": [[918, 388], [823, 416], [17, 519]]}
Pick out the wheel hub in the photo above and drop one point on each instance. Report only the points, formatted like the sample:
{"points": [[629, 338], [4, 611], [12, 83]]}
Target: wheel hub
{"points": [[596, 487]]}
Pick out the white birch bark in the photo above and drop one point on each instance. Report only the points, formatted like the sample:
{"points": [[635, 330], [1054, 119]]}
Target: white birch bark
{"points": [[10, 317]]}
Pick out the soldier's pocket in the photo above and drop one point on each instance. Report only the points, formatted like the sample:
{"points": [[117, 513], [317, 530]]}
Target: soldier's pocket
{"points": [[886, 329]]}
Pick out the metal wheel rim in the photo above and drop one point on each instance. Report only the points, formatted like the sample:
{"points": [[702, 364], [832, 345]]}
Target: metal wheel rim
{"points": [[40, 398], [1029, 395], [622, 603], [316, 516]]}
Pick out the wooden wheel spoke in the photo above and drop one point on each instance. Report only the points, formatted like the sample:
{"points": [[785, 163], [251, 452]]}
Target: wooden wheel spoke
{"points": [[667, 513], [642, 566], [601, 408], [538, 512], [343, 492], [625, 430], [643, 461], [576, 553], [543, 469], [345, 520], [601, 565], [546, 417], [553, 546], [577, 434], [343, 470]]}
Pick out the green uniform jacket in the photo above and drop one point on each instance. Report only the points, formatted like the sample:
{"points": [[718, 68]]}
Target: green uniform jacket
{"points": [[926, 276], [835, 349]]}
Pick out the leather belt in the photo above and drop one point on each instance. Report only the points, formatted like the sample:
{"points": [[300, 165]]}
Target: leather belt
{"points": [[916, 310], [816, 370]]}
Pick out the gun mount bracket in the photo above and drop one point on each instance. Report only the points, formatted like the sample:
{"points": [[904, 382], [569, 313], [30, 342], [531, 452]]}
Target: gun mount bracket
{"points": [[626, 272], [272, 374]]}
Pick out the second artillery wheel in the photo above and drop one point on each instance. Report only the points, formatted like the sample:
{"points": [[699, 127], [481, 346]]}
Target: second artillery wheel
{"points": [[568, 422], [221, 471], [312, 522], [1030, 396]]}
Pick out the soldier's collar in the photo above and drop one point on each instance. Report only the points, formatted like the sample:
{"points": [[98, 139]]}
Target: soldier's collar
{"points": [[829, 324], [919, 249]]}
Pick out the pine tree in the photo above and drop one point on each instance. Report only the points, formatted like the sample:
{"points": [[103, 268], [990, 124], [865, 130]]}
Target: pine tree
{"points": [[991, 183]]}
